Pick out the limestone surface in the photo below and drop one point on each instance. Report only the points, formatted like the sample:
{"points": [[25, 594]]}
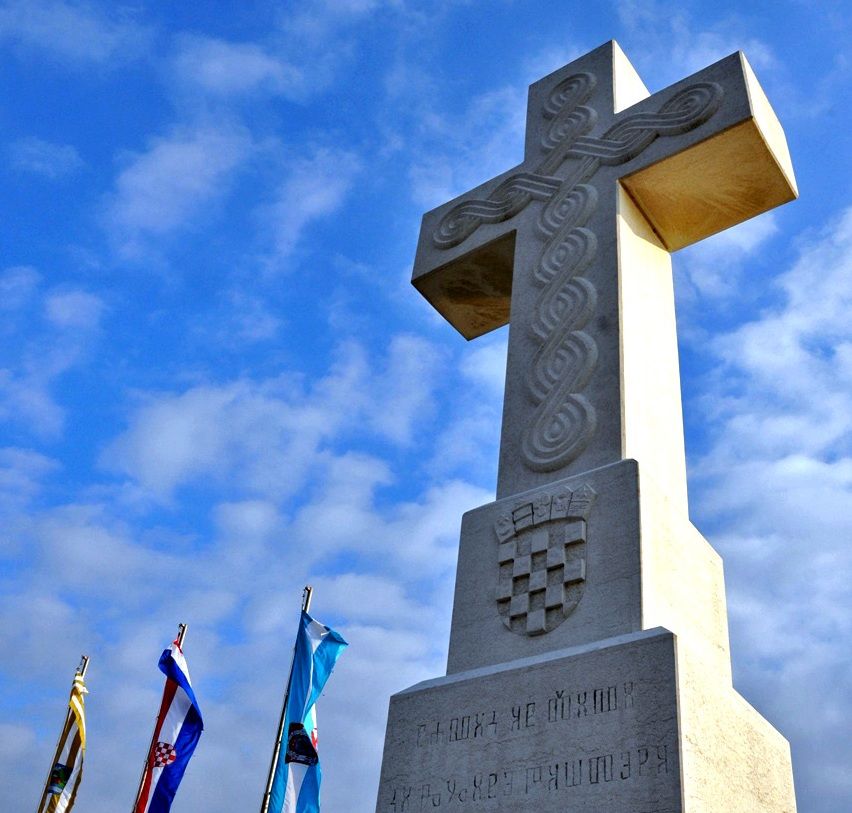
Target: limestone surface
{"points": [[589, 667], [626, 725]]}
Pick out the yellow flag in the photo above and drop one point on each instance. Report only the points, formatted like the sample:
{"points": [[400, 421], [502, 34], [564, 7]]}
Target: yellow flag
{"points": [[60, 791]]}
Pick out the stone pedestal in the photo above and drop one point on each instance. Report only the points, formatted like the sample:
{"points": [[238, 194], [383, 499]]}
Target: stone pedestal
{"points": [[588, 668], [623, 725]]}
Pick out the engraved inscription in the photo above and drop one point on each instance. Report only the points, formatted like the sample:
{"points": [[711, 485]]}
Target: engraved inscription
{"points": [[564, 706], [596, 730], [541, 560], [560, 775]]}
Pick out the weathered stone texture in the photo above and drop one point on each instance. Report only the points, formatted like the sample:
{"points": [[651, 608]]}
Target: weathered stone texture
{"points": [[589, 665]]}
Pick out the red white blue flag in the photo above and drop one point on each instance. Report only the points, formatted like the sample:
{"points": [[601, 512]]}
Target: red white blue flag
{"points": [[176, 734]]}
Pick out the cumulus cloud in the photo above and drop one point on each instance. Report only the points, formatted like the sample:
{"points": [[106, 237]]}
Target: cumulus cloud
{"points": [[224, 68], [62, 327], [312, 188], [244, 319], [165, 187], [392, 601], [78, 310], [78, 31], [22, 473], [713, 267], [457, 152], [17, 285], [263, 437], [771, 491], [795, 358], [44, 158], [672, 46], [468, 443]]}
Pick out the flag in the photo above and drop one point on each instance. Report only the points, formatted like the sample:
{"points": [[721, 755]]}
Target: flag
{"points": [[176, 734], [67, 770], [296, 783]]}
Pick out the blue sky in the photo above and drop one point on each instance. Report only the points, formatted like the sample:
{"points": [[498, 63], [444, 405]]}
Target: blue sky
{"points": [[216, 382]]}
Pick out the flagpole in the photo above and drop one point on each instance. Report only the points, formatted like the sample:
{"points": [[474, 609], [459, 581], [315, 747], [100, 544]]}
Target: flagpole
{"points": [[276, 752], [80, 670], [145, 767]]}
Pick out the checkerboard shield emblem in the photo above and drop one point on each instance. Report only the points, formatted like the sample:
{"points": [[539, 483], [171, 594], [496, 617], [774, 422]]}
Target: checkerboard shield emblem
{"points": [[542, 560]]}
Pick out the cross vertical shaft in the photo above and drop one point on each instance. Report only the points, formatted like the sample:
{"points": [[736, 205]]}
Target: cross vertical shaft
{"points": [[571, 247]]}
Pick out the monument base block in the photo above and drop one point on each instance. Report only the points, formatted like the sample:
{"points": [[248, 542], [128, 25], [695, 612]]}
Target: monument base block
{"points": [[625, 725]]}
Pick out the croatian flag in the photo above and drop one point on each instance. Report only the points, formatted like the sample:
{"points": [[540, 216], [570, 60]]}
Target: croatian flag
{"points": [[296, 784], [176, 734]]}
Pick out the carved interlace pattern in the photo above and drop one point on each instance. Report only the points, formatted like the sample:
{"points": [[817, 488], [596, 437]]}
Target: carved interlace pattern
{"points": [[564, 420]]}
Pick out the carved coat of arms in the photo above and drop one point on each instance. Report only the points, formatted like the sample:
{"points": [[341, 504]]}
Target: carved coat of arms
{"points": [[542, 559]]}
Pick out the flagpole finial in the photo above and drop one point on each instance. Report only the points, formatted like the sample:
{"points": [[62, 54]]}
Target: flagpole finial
{"points": [[306, 598], [84, 666], [181, 635]]}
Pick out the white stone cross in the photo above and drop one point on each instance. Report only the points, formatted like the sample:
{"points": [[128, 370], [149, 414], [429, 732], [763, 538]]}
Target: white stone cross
{"points": [[574, 244]]}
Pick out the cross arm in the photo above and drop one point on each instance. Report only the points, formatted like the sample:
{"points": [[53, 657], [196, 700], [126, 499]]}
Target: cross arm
{"points": [[465, 269], [697, 157], [733, 167]]}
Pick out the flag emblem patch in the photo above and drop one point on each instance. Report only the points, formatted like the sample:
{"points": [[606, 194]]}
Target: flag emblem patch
{"points": [[164, 754]]}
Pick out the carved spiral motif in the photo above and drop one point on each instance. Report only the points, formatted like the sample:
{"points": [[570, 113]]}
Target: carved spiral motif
{"points": [[568, 94], [564, 420]]}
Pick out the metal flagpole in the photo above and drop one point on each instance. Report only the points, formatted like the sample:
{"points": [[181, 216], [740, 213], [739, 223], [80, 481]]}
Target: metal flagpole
{"points": [[146, 766], [80, 670], [276, 752]]}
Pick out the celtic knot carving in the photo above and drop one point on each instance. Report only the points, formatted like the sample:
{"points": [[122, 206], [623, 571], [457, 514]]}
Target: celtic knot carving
{"points": [[564, 420], [628, 138], [509, 198]]}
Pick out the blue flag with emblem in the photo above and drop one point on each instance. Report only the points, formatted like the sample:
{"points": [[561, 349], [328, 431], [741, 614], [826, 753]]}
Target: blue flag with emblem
{"points": [[296, 781]]}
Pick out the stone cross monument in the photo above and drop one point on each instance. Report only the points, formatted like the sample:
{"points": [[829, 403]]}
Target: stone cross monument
{"points": [[588, 666]]}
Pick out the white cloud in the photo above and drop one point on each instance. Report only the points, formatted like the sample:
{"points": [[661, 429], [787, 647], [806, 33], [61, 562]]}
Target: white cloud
{"points": [[456, 153], [312, 188], [401, 393], [26, 399], [17, 286], [394, 610], [249, 318], [264, 437], [76, 310], [468, 442], [713, 267], [669, 47], [44, 158], [775, 486], [32, 362], [320, 19], [78, 31], [21, 475], [227, 68], [485, 364], [795, 357], [167, 186]]}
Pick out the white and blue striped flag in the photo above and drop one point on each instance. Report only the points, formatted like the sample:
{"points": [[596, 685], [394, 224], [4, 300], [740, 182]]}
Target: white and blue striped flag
{"points": [[176, 734], [296, 783]]}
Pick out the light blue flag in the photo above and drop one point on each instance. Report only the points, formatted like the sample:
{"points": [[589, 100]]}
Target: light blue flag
{"points": [[296, 784]]}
